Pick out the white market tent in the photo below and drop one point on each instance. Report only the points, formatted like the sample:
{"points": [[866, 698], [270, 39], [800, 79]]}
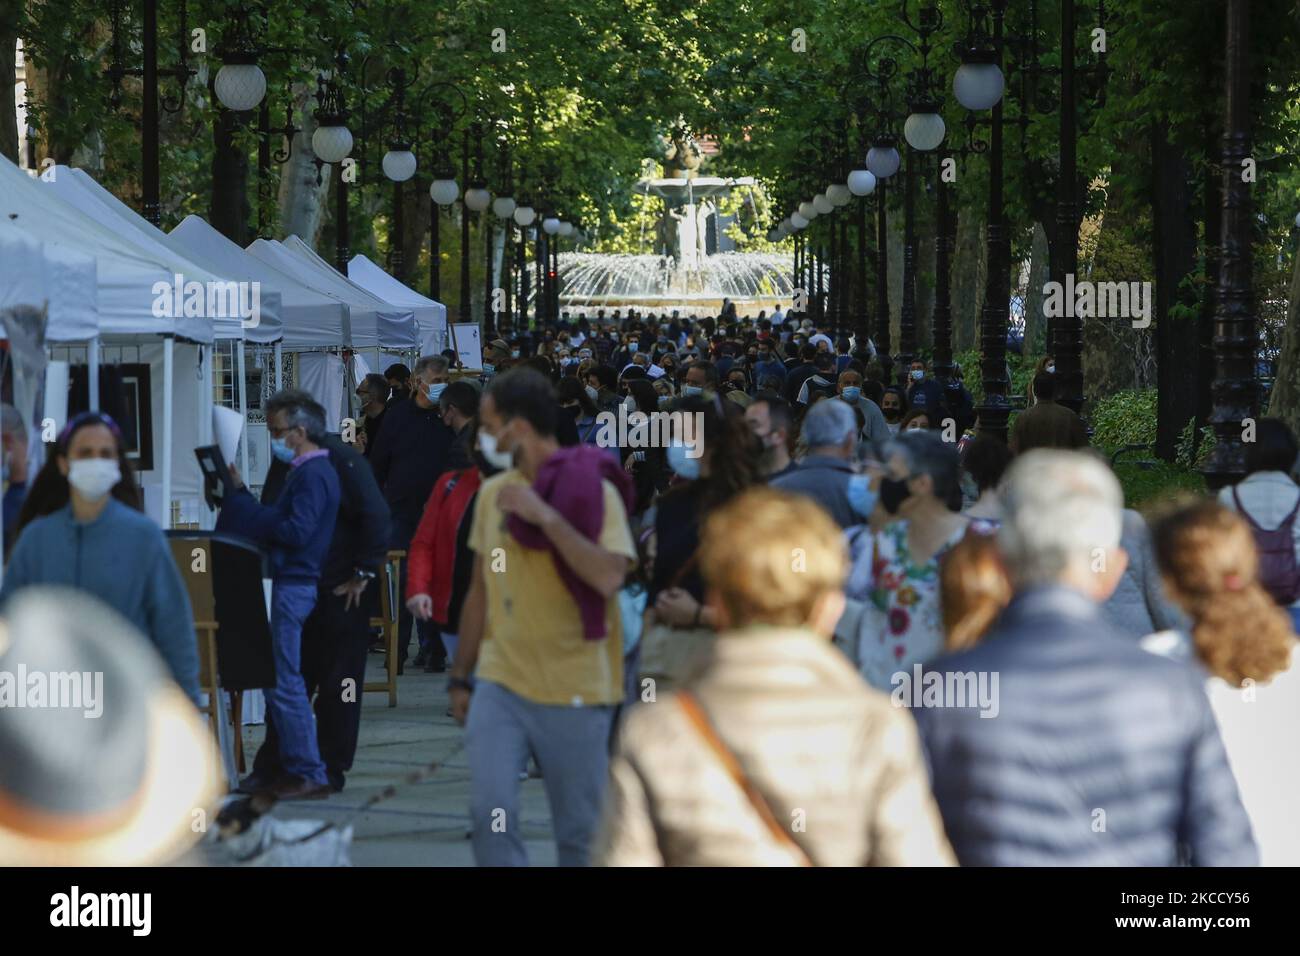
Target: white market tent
{"points": [[310, 319], [374, 323], [430, 315], [40, 274], [127, 282], [264, 326], [376, 326], [125, 273], [315, 324], [46, 277], [79, 188]]}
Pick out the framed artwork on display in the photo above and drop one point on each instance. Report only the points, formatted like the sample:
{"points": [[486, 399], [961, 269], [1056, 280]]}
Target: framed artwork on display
{"points": [[137, 415]]}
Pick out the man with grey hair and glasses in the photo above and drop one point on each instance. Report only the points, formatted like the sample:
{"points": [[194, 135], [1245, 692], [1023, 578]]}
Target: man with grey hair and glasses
{"points": [[1099, 753], [830, 430], [413, 449], [297, 531]]}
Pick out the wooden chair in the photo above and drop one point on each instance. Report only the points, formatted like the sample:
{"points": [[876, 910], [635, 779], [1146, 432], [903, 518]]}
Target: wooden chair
{"points": [[198, 584], [390, 598], [205, 631]]}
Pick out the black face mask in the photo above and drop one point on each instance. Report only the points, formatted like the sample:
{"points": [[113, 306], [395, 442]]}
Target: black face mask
{"points": [[893, 492]]}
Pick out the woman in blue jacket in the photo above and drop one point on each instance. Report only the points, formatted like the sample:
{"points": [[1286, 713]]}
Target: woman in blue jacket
{"points": [[82, 527]]}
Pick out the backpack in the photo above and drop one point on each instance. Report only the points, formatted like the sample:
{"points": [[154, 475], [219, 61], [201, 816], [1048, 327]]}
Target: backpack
{"points": [[1278, 572]]}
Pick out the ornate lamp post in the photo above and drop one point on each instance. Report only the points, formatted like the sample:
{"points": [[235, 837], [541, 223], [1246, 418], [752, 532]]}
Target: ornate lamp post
{"points": [[332, 143], [149, 72], [443, 190], [923, 131], [525, 215], [240, 86], [399, 165], [503, 207], [477, 199], [1234, 391], [977, 85]]}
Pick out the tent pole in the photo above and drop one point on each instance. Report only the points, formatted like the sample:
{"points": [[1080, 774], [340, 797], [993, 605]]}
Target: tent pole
{"points": [[243, 411], [92, 372], [207, 357], [279, 368], [169, 374]]}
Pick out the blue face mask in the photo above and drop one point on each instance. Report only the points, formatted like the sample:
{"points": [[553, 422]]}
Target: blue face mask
{"points": [[683, 465], [690, 390], [851, 393], [434, 392], [489, 369], [861, 498], [664, 400], [281, 451], [632, 347]]}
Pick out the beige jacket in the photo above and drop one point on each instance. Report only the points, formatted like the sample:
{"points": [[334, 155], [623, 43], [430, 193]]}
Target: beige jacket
{"points": [[834, 759]]}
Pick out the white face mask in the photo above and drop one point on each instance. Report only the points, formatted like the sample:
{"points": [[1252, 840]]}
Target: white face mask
{"points": [[93, 478], [592, 393], [487, 444]]}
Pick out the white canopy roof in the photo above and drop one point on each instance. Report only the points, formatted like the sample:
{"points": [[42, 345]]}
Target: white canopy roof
{"points": [[81, 190], [45, 274], [311, 319], [430, 316], [394, 326], [128, 277]]}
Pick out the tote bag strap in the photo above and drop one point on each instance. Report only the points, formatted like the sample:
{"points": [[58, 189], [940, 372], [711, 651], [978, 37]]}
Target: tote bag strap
{"points": [[700, 721]]}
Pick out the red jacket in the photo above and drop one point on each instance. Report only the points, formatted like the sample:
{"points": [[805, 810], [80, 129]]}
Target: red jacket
{"points": [[431, 561]]}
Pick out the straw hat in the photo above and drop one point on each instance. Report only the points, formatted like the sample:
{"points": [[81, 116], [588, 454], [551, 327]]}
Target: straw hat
{"points": [[111, 765]]}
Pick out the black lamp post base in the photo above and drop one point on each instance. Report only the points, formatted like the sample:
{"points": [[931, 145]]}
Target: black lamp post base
{"points": [[993, 417]]}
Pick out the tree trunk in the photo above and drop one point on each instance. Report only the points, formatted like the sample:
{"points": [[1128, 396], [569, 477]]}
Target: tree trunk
{"points": [[1175, 314], [1284, 402], [969, 264], [1112, 349], [415, 224], [10, 13], [926, 229], [1039, 273], [895, 277], [302, 199], [1213, 215]]}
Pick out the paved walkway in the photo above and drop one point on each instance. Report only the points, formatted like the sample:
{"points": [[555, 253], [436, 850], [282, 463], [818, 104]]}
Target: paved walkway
{"points": [[424, 824]]}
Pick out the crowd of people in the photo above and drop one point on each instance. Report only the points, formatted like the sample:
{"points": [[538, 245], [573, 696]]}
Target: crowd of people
{"points": [[828, 625]]}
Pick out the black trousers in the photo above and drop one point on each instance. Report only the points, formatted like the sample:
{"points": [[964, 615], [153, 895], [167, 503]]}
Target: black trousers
{"points": [[334, 645], [404, 528]]}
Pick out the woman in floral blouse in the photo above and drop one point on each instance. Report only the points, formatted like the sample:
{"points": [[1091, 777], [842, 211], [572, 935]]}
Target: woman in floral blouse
{"points": [[896, 570]]}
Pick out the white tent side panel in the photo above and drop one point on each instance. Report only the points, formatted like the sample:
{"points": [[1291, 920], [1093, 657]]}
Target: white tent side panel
{"points": [[187, 479]]}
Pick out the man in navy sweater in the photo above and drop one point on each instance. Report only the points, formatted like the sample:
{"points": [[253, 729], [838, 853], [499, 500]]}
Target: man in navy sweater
{"points": [[297, 531], [335, 634], [412, 451]]}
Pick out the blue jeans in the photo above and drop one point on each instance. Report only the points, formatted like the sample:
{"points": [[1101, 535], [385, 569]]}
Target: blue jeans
{"points": [[287, 705], [449, 644], [571, 745]]}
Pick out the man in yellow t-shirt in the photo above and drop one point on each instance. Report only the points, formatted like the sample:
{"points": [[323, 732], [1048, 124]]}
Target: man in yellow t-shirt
{"points": [[541, 688]]}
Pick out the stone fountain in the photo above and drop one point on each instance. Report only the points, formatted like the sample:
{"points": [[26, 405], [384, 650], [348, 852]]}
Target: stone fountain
{"points": [[691, 269]]}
